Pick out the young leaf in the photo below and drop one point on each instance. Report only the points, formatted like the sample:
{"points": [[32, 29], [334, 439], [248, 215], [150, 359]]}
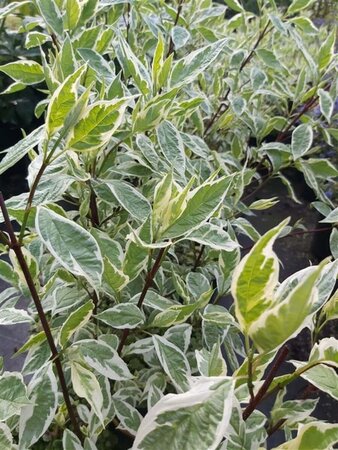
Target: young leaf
{"points": [[298, 5], [234, 5], [97, 125], [86, 386], [255, 279], [196, 419], [73, 247], [62, 101], [201, 204], [285, 319], [76, 320], [36, 418], [313, 436]]}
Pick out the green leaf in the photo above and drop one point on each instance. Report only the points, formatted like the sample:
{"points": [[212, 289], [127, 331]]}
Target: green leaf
{"points": [[10, 7], [36, 418], [123, 315], [6, 438], [13, 395], [128, 197], [201, 204], [8, 274], [298, 5], [70, 441], [173, 362], [36, 39], [10, 316], [51, 14], [171, 145], [73, 247], [255, 279], [334, 243], [197, 419], [332, 217], [97, 62], [286, 319], [175, 314], [212, 236], [62, 101], [97, 125], [180, 36], [326, 104], [113, 279], [133, 66], [127, 414], [185, 70], [234, 5], [211, 363], [301, 142], [26, 72], [104, 359], [86, 386], [326, 51], [313, 436], [76, 320], [72, 14]]}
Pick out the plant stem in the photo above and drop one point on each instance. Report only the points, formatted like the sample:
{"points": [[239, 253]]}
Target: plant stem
{"points": [[16, 246], [261, 35], [267, 382], [171, 42], [148, 282], [249, 354], [199, 257]]}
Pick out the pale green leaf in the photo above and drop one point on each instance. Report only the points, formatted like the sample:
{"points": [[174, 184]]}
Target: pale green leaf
{"points": [[86, 386], [301, 142], [287, 318], [26, 72], [298, 5], [70, 441], [313, 436], [13, 395], [326, 104], [255, 279], [212, 236], [10, 316], [197, 419], [36, 418], [97, 125], [123, 315], [173, 362], [171, 145], [76, 320], [73, 247], [180, 36], [201, 204], [185, 70], [51, 14], [104, 359], [235, 5]]}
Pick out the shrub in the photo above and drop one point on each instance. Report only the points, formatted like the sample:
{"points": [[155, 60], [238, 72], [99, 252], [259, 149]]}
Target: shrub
{"points": [[160, 121]]}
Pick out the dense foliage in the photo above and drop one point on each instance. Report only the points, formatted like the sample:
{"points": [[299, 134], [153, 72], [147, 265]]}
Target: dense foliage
{"points": [[160, 121]]}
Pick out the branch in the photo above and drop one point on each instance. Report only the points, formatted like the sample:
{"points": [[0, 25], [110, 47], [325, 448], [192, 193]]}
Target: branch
{"points": [[262, 34], [267, 382], [148, 282], [171, 42], [15, 245]]}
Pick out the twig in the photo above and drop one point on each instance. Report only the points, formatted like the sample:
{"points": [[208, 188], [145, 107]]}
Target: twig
{"points": [[148, 282], [267, 382], [262, 34], [198, 259], [171, 42], [15, 245]]}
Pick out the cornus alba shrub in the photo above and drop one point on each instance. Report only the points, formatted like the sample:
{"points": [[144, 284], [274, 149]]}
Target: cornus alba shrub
{"points": [[160, 120]]}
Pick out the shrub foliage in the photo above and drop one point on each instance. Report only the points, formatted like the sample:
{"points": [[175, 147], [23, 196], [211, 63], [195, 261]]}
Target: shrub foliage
{"points": [[161, 119]]}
